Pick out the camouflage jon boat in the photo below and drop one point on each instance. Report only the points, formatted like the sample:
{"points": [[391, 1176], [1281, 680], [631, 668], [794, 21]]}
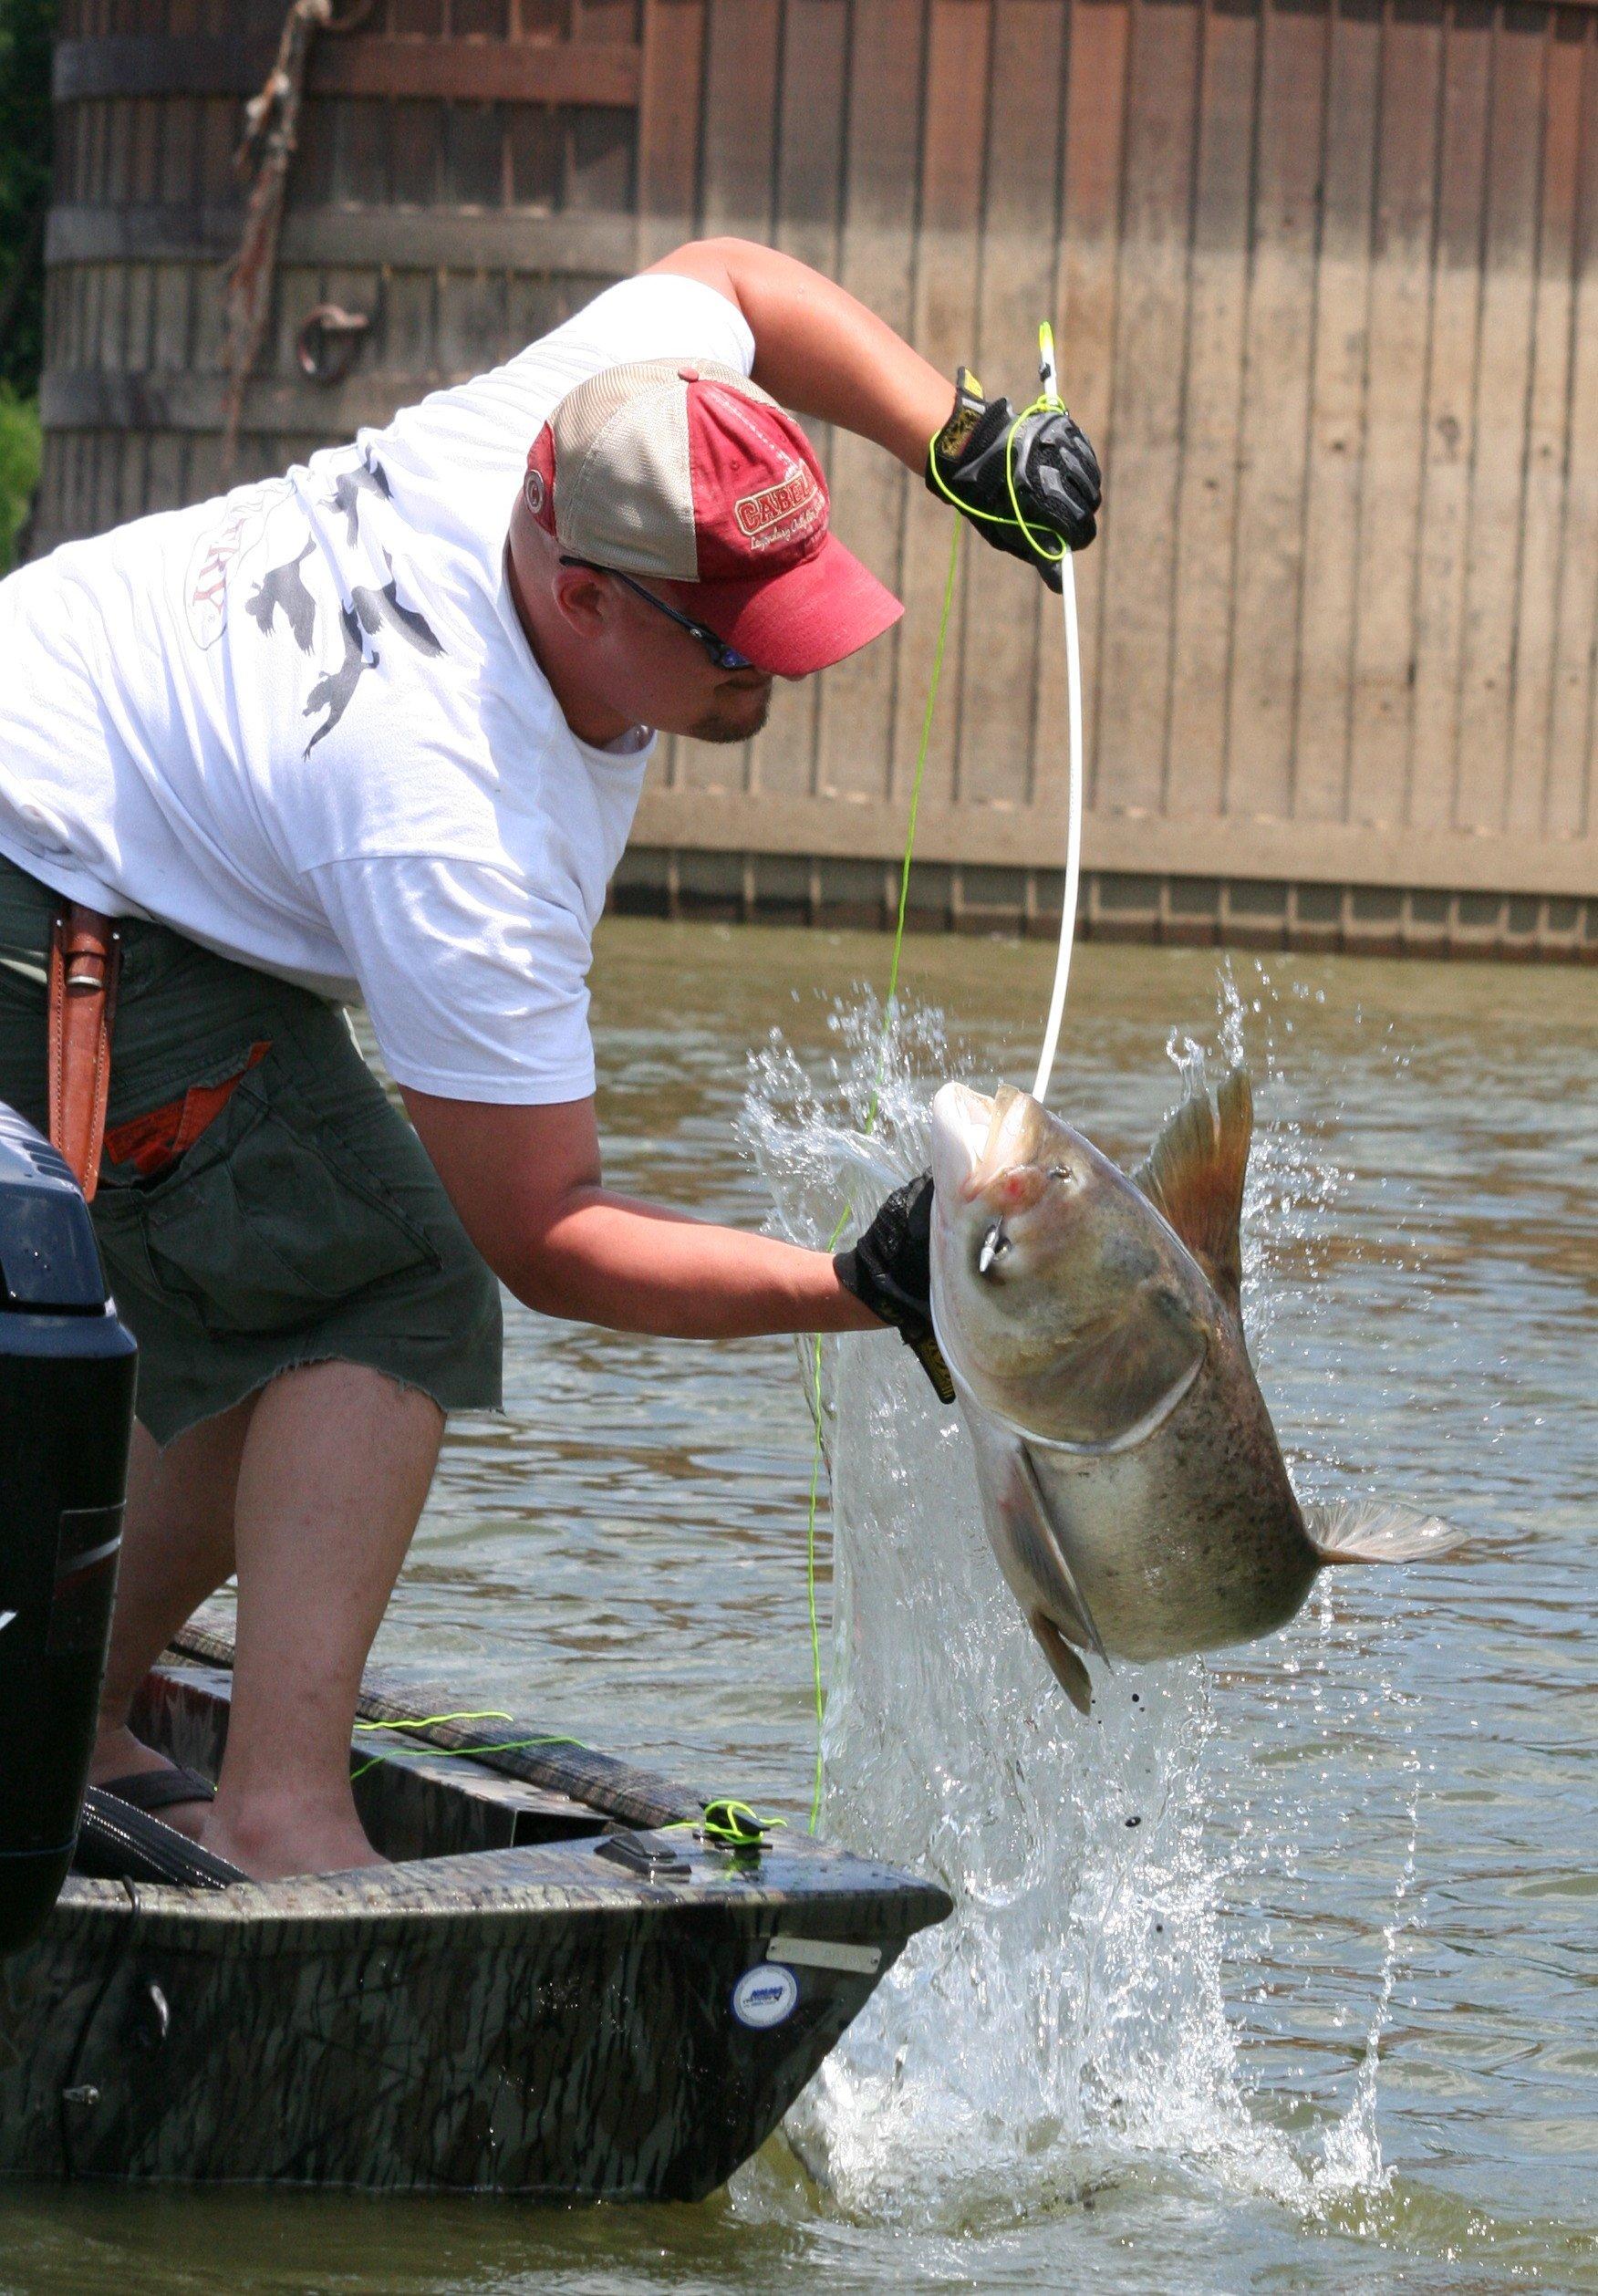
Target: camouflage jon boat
{"points": [[562, 1987]]}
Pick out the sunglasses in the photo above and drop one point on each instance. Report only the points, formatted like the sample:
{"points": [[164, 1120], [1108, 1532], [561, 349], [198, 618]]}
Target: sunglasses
{"points": [[724, 656]]}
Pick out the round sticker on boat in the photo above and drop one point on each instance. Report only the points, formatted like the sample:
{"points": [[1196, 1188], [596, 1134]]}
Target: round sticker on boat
{"points": [[765, 1996]]}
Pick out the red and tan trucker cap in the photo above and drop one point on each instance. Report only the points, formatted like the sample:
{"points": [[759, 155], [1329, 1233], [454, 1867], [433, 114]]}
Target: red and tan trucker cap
{"points": [[689, 477]]}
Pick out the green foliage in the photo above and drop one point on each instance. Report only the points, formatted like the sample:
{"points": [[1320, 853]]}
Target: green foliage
{"points": [[26, 30], [19, 467]]}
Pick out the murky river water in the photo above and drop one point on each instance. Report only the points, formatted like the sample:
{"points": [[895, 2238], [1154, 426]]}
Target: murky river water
{"points": [[1328, 2018]]}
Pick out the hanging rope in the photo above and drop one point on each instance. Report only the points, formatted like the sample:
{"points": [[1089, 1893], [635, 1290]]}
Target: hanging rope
{"points": [[262, 161]]}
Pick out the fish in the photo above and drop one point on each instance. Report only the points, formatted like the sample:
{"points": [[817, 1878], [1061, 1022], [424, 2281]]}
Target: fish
{"points": [[1133, 1488]]}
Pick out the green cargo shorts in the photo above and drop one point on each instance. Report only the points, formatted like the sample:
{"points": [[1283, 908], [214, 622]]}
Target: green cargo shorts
{"points": [[304, 1224]]}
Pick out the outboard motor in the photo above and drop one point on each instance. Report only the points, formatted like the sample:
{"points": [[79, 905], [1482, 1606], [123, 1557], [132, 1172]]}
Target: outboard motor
{"points": [[66, 1369]]}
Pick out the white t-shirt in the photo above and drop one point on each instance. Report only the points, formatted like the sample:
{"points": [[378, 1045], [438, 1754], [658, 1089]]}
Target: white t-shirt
{"points": [[301, 724]]}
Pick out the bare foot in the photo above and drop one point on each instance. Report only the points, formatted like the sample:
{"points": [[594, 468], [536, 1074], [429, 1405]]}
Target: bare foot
{"points": [[277, 1842], [118, 1754]]}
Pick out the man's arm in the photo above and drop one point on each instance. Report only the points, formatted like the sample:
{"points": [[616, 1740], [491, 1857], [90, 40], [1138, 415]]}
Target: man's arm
{"points": [[527, 1183], [819, 351]]}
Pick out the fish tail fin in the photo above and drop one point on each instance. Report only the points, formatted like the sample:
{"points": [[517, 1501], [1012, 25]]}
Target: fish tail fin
{"points": [[1373, 1531], [1068, 1669]]}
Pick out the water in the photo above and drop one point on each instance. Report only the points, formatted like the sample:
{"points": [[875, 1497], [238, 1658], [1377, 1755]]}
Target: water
{"points": [[1326, 2016]]}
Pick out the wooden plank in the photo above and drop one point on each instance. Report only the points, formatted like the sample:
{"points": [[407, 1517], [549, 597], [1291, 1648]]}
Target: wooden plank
{"points": [[177, 183], [479, 19], [1099, 39], [1002, 600], [869, 492], [462, 70], [953, 154], [190, 403], [1503, 385], [601, 151], [1383, 649], [1572, 776], [809, 214], [603, 20], [139, 318], [1271, 511], [410, 321], [219, 137], [738, 137], [1212, 401], [445, 237], [1544, 535], [811, 123], [1450, 394], [536, 143], [473, 322], [416, 151], [738, 154], [361, 151], [668, 125], [474, 173], [1151, 315], [1026, 837], [143, 148], [1337, 448]]}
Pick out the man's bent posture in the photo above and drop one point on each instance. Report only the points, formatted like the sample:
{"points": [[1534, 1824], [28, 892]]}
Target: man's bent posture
{"points": [[341, 735]]}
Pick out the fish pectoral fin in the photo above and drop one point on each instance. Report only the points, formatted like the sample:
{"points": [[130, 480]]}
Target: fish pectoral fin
{"points": [[1195, 1174], [1068, 1602], [1372, 1531], [1064, 1663], [1022, 1537]]}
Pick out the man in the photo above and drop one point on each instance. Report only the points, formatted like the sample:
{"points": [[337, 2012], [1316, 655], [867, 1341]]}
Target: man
{"points": [[342, 734]]}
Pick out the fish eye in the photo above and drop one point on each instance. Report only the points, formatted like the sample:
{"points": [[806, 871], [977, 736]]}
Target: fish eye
{"points": [[1061, 1171]]}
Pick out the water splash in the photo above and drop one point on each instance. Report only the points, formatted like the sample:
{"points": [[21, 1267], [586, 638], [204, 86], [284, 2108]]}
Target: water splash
{"points": [[1071, 2024]]}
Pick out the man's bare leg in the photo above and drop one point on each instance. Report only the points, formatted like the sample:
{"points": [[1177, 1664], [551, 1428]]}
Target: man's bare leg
{"points": [[176, 1549], [335, 1469]]}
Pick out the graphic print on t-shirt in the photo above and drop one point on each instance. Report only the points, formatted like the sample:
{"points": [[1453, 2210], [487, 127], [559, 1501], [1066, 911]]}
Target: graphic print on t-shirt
{"points": [[347, 492], [284, 598], [220, 550], [285, 586], [360, 620]]}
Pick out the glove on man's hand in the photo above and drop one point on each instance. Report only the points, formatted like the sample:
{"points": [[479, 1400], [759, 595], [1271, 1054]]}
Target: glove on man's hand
{"points": [[1057, 476], [890, 1272]]}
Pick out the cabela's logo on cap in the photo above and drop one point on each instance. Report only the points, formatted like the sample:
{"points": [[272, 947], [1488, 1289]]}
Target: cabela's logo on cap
{"points": [[791, 506]]}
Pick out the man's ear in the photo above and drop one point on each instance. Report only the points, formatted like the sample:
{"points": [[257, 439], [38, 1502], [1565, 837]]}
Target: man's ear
{"points": [[583, 599]]}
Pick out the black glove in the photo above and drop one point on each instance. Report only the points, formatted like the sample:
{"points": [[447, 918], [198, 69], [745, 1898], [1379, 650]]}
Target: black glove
{"points": [[1057, 476], [890, 1272]]}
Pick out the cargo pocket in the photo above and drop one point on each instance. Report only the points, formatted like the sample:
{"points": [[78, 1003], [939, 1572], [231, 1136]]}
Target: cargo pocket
{"points": [[269, 1222]]}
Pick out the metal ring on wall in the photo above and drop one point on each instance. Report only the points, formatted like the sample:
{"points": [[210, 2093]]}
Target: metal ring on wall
{"points": [[327, 342]]}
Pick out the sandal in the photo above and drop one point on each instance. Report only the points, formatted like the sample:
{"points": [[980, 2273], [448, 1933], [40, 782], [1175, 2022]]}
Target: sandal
{"points": [[153, 1790]]}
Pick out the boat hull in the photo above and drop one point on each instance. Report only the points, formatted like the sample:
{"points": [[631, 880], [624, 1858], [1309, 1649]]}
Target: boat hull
{"points": [[542, 2019]]}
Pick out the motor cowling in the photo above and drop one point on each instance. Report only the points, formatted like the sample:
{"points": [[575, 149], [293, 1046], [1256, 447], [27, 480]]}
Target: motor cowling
{"points": [[66, 1374]]}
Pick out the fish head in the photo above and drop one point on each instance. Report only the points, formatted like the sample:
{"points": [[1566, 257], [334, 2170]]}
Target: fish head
{"points": [[1062, 1300]]}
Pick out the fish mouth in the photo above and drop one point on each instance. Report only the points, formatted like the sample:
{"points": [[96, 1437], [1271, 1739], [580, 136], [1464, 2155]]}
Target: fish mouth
{"points": [[962, 1122], [979, 1142]]}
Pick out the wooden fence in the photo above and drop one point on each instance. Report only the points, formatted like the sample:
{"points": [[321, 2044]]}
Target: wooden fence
{"points": [[1324, 275]]}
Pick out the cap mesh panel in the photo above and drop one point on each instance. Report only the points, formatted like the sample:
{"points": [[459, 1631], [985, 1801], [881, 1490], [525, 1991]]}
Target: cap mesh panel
{"points": [[623, 488]]}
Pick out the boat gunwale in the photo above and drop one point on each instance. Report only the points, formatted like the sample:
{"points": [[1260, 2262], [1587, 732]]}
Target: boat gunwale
{"points": [[467, 1889]]}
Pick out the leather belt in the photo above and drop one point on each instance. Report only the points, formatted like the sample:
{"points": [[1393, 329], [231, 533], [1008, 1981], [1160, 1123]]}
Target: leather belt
{"points": [[85, 958]]}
